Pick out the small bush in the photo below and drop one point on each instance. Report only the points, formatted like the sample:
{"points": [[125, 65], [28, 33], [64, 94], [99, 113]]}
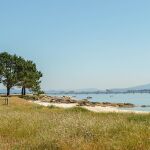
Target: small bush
{"points": [[52, 107], [78, 109], [30, 97]]}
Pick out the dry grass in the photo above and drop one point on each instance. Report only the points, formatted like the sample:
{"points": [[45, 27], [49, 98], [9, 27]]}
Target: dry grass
{"points": [[26, 126]]}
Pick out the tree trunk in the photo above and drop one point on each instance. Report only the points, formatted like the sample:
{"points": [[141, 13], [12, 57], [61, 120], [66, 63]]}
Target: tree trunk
{"points": [[24, 91], [8, 91]]}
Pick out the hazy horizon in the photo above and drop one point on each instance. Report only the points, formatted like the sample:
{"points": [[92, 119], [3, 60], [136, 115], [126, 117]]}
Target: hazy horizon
{"points": [[80, 44]]}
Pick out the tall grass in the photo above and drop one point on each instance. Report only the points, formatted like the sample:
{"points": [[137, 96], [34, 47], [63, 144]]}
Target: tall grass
{"points": [[26, 126]]}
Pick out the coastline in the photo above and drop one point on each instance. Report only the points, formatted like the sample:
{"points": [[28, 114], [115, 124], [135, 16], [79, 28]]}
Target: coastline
{"points": [[106, 109]]}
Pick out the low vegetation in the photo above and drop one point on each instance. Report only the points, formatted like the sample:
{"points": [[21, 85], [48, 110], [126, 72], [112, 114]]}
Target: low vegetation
{"points": [[27, 126]]}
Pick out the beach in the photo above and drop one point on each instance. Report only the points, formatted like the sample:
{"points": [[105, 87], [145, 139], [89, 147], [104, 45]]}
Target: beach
{"points": [[91, 108]]}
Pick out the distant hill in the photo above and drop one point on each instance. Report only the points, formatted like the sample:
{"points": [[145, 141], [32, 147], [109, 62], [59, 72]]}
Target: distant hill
{"points": [[87, 90], [94, 90], [140, 87], [90, 90]]}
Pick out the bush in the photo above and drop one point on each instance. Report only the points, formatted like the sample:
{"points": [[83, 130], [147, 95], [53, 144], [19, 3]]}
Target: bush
{"points": [[78, 109]]}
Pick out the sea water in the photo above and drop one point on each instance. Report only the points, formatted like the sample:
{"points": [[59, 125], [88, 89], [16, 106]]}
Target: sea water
{"points": [[137, 99]]}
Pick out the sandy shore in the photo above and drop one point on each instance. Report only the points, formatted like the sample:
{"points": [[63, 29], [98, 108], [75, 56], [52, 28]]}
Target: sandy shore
{"points": [[94, 109], [62, 105]]}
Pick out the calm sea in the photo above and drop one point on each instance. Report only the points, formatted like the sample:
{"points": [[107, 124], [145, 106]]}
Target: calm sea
{"points": [[137, 99]]}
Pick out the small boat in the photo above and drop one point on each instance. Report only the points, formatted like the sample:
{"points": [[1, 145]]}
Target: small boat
{"points": [[89, 97]]}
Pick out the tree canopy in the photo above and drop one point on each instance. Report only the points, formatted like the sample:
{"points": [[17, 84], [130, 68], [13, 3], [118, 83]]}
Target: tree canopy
{"points": [[16, 71]]}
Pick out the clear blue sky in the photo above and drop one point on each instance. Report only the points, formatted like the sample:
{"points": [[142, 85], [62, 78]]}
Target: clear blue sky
{"points": [[80, 43]]}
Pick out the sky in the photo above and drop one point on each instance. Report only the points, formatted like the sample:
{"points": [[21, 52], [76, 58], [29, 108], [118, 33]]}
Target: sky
{"points": [[80, 43]]}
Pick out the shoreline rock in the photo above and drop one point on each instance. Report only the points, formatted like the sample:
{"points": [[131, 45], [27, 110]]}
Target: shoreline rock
{"points": [[83, 102]]}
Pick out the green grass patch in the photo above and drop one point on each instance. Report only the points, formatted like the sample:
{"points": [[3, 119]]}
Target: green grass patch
{"points": [[78, 109], [52, 107], [140, 118]]}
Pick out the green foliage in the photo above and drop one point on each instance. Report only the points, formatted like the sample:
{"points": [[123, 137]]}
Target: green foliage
{"points": [[28, 75], [8, 74], [16, 71], [30, 97], [78, 109], [52, 107], [36, 88]]}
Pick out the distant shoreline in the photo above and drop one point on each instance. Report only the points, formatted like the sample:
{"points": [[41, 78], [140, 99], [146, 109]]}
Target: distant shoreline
{"points": [[100, 92]]}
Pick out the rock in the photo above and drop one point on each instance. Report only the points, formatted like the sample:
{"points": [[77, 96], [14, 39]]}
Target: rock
{"points": [[84, 102], [129, 105]]}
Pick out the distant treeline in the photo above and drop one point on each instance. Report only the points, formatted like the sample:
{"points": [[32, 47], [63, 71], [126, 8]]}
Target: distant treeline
{"points": [[16, 71], [101, 92]]}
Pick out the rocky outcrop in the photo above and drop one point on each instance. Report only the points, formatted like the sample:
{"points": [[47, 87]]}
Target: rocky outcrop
{"points": [[56, 99], [104, 104], [84, 102]]}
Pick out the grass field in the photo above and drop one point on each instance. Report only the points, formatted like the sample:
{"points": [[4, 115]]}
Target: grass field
{"points": [[26, 126]]}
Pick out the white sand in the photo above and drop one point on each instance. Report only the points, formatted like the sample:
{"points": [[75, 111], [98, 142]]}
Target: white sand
{"points": [[112, 109], [62, 105], [94, 109]]}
